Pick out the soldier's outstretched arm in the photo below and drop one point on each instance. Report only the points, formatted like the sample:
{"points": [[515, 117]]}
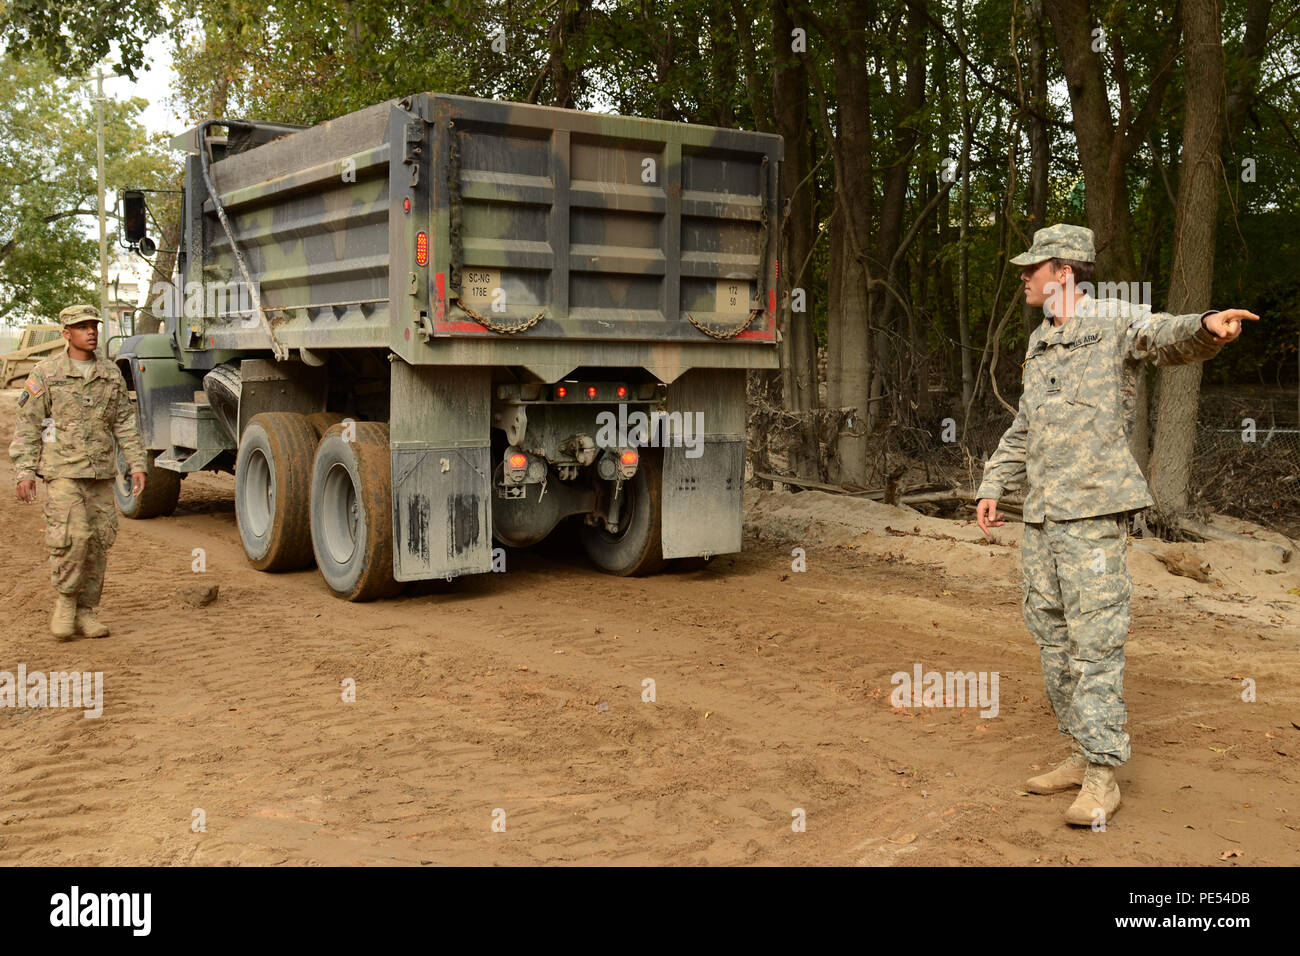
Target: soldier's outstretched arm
{"points": [[25, 448], [1181, 339]]}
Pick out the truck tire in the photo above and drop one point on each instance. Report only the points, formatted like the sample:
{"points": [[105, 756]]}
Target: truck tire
{"points": [[162, 489], [321, 422], [222, 386], [273, 491], [638, 546], [352, 513]]}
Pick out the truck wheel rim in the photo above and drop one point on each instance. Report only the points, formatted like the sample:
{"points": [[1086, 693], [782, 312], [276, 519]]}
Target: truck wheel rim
{"points": [[339, 514], [260, 497]]}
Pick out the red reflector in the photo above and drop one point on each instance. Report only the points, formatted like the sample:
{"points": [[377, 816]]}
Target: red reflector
{"points": [[622, 391], [778, 268], [591, 391], [518, 460], [561, 391], [406, 204], [629, 457], [422, 249]]}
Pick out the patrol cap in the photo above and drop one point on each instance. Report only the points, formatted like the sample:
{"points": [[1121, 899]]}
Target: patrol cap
{"points": [[78, 313], [1060, 241]]}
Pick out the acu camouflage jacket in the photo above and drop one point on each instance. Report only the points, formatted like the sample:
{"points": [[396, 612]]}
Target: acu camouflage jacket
{"points": [[67, 424], [1069, 439]]}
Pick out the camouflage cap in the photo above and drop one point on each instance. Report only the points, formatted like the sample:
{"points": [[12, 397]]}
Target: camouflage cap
{"points": [[78, 313], [1060, 241]]}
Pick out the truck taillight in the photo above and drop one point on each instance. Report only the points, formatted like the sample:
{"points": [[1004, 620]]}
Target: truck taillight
{"points": [[591, 391], [621, 391], [422, 249], [561, 391], [516, 466]]}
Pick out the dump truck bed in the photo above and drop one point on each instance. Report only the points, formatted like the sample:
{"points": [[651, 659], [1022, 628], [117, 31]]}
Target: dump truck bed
{"points": [[462, 231]]}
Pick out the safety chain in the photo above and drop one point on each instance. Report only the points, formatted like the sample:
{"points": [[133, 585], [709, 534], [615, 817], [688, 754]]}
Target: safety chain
{"points": [[761, 273], [496, 326], [725, 333]]}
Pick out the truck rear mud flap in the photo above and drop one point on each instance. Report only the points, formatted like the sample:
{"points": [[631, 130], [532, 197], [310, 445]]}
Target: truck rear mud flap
{"points": [[703, 500], [704, 473], [441, 518], [442, 472]]}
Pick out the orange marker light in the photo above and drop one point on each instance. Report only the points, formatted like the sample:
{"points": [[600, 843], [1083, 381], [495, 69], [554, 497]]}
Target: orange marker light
{"points": [[629, 457], [622, 391], [422, 249], [591, 391], [561, 391], [518, 460]]}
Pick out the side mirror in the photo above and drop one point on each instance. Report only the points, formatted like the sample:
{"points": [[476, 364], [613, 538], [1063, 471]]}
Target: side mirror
{"points": [[133, 216]]}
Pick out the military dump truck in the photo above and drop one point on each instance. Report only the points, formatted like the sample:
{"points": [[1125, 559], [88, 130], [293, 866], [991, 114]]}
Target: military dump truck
{"points": [[441, 321]]}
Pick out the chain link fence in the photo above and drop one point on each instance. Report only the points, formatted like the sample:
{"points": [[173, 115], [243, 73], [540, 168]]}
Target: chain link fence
{"points": [[1246, 458], [1247, 455]]}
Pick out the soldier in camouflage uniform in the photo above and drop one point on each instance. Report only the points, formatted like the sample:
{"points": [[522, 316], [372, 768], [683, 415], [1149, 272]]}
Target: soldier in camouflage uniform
{"points": [[72, 409], [1069, 445]]}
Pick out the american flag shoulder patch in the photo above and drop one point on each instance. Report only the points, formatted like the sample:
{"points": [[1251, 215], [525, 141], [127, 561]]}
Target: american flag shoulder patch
{"points": [[33, 386]]}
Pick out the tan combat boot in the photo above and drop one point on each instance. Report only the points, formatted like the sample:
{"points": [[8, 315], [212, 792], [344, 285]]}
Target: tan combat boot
{"points": [[63, 623], [1098, 798], [88, 624], [1065, 777]]}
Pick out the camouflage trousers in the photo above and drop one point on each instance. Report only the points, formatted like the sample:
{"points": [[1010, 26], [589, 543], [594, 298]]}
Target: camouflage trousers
{"points": [[1076, 604], [80, 527]]}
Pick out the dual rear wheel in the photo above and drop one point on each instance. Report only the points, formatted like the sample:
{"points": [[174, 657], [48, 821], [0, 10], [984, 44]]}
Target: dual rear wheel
{"points": [[308, 490], [311, 489]]}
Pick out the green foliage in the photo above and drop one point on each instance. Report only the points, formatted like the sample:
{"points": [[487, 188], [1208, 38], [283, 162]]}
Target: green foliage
{"points": [[74, 35], [48, 197]]}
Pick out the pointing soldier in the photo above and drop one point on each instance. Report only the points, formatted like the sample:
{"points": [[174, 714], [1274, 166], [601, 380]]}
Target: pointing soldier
{"points": [[72, 409], [1069, 445]]}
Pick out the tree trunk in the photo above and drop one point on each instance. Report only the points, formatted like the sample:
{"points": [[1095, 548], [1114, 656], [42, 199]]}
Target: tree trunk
{"points": [[852, 228], [963, 253], [1195, 224], [890, 234], [799, 233], [1040, 154]]}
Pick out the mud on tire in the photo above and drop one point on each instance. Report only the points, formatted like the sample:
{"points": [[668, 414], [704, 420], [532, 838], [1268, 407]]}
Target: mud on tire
{"points": [[273, 491], [351, 513]]}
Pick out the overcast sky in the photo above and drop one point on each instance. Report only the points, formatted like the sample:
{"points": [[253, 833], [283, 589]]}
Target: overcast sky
{"points": [[154, 85]]}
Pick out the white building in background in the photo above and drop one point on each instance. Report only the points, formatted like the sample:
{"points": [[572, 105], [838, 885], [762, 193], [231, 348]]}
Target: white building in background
{"points": [[128, 289]]}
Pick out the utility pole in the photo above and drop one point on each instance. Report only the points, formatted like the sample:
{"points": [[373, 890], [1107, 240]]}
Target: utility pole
{"points": [[103, 226]]}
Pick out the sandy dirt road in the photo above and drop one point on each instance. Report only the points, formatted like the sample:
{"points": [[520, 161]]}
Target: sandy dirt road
{"points": [[522, 692]]}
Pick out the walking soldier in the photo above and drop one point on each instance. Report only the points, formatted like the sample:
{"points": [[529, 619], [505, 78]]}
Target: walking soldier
{"points": [[73, 408]]}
